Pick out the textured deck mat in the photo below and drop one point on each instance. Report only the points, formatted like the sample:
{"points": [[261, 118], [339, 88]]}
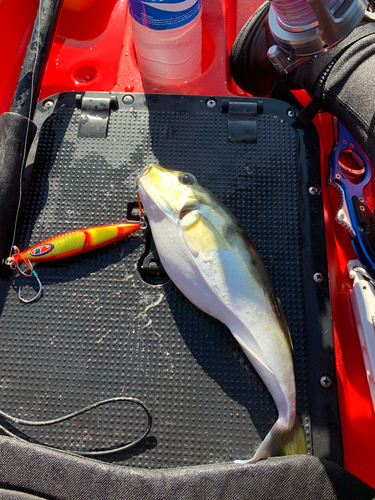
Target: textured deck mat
{"points": [[100, 330]]}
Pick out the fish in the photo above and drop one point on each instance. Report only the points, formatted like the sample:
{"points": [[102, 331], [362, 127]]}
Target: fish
{"points": [[211, 260]]}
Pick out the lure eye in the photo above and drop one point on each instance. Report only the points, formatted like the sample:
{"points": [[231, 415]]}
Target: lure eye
{"points": [[186, 179]]}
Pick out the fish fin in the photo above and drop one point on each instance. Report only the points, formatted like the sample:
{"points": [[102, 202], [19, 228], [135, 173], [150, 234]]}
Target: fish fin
{"points": [[200, 234], [283, 323], [250, 351], [280, 441]]}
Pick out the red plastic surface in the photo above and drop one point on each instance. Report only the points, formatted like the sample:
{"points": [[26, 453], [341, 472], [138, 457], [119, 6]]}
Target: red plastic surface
{"points": [[93, 50], [16, 20], [356, 409]]}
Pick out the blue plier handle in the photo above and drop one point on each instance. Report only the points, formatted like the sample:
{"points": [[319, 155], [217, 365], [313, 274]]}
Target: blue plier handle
{"points": [[350, 178]]}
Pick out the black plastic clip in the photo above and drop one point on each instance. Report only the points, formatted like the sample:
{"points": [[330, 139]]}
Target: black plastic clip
{"points": [[242, 120], [95, 112]]}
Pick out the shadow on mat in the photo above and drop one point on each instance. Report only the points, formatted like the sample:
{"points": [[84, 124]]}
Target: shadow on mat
{"points": [[222, 359]]}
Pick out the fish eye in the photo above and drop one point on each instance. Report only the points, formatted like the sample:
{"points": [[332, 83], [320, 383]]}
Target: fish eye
{"points": [[186, 179]]}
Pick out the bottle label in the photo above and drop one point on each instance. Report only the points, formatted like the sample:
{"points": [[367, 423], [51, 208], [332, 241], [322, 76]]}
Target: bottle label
{"points": [[164, 14]]}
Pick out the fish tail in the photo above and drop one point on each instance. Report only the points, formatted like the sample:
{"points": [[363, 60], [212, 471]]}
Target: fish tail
{"points": [[280, 441]]}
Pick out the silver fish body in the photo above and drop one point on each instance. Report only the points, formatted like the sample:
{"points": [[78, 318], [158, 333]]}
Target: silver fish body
{"points": [[210, 259]]}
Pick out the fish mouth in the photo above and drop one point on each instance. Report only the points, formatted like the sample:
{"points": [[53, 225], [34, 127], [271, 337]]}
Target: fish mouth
{"points": [[157, 171], [144, 172], [187, 209]]}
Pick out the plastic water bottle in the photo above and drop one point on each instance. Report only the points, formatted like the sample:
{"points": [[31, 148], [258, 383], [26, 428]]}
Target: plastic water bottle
{"points": [[168, 38]]}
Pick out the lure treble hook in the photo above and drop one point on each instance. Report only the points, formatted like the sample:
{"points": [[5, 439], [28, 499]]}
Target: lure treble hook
{"points": [[26, 301], [13, 262]]}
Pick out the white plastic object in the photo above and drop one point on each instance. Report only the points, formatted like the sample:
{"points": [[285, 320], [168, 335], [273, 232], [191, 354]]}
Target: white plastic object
{"points": [[168, 39], [362, 298]]}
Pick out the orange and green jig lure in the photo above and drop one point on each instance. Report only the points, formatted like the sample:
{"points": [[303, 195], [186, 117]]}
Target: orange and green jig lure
{"points": [[67, 245]]}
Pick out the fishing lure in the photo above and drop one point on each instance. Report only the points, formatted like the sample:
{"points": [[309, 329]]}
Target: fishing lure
{"points": [[67, 245]]}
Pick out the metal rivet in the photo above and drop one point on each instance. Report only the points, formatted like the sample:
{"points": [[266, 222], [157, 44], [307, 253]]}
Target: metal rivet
{"points": [[211, 103], [128, 99], [314, 190], [318, 277], [48, 104], [326, 381], [291, 113]]}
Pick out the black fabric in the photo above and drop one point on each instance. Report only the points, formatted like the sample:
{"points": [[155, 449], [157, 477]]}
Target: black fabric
{"points": [[14, 129], [347, 91], [309, 73], [342, 79], [249, 64], [244, 56], [46, 473]]}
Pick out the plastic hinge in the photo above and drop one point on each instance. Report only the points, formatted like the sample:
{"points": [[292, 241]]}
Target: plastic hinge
{"points": [[95, 112], [242, 121]]}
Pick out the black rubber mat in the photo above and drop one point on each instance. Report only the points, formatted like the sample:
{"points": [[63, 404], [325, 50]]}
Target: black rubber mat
{"points": [[100, 330]]}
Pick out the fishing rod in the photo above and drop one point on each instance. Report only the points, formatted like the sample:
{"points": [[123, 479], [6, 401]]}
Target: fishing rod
{"points": [[17, 130]]}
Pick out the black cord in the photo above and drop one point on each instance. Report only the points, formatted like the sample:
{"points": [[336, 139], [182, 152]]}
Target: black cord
{"points": [[98, 453]]}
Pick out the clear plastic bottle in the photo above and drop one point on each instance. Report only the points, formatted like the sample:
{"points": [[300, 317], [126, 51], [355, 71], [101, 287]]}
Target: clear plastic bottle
{"points": [[168, 38]]}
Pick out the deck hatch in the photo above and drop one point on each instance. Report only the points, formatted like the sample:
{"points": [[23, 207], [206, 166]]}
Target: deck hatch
{"points": [[100, 330]]}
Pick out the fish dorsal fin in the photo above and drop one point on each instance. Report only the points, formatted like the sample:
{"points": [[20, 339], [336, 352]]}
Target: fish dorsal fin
{"points": [[200, 234], [251, 349]]}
